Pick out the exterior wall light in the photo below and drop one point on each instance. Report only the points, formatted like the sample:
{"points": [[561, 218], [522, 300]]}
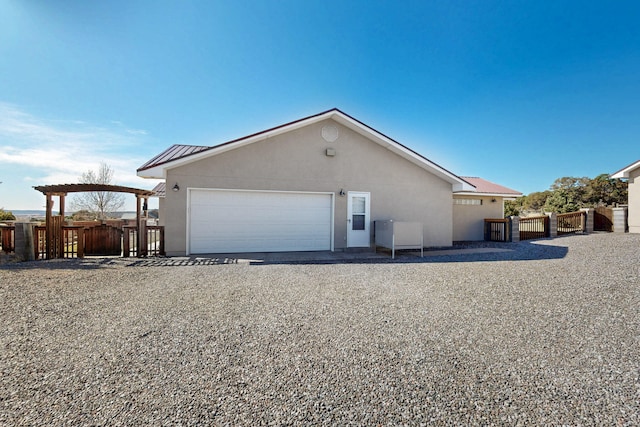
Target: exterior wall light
{"points": [[342, 193], [176, 187]]}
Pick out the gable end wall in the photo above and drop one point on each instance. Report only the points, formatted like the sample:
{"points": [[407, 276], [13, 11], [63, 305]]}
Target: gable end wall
{"points": [[297, 161]]}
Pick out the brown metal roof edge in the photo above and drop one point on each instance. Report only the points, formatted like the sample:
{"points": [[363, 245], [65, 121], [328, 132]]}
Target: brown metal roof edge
{"points": [[402, 145], [174, 152], [149, 164]]}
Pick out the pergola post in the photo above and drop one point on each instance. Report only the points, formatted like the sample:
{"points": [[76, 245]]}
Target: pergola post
{"points": [[141, 235], [49, 227], [61, 205]]}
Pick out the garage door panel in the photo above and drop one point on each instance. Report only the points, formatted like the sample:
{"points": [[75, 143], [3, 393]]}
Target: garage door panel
{"points": [[248, 221]]}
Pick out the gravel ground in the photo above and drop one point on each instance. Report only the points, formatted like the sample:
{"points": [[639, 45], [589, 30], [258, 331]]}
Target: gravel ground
{"points": [[547, 334]]}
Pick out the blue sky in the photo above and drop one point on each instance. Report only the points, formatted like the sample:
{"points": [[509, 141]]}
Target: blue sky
{"points": [[516, 92]]}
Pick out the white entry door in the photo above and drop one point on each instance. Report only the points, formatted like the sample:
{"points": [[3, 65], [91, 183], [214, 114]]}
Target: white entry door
{"points": [[358, 219]]}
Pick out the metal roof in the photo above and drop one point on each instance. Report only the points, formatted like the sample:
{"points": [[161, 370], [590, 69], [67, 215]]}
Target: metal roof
{"points": [[182, 154], [160, 189], [176, 151], [487, 187]]}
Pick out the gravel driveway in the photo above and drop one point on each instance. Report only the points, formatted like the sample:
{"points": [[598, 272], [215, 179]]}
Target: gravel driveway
{"points": [[547, 334]]}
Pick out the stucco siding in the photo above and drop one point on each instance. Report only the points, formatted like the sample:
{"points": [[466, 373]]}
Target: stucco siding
{"points": [[468, 220], [634, 201], [297, 161]]}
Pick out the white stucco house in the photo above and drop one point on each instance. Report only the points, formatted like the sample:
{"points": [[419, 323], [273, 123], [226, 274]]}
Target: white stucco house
{"points": [[632, 174], [317, 183]]}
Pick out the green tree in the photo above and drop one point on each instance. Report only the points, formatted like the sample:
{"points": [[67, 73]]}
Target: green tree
{"points": [[513, 207], [569, 194], [6, 215], [535, 202], [562, 201], [605, 191]]}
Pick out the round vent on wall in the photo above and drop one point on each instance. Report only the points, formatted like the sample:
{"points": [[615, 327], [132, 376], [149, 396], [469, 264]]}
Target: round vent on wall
{"points": [[329, 133]]}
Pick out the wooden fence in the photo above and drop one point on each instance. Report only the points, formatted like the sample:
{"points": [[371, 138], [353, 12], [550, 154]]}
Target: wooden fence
{"points": [[103, 239], [70, 244], [152, 241], [535, 227], [572, 222], [76, 241], [603, 219], [7, 238], [497, 229]]}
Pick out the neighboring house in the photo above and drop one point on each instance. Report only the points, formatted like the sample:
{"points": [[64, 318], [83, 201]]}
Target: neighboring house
{"points": [[318, 183], [632, 173]]}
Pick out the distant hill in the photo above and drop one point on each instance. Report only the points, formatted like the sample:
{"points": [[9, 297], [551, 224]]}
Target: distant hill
{"points": [[27, 212], [26, 215]]}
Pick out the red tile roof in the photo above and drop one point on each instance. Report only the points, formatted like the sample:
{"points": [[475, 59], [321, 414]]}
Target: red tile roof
{"points": [[484, 186]]}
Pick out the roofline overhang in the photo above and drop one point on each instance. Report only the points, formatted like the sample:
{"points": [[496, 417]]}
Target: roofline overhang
{"points": [[624, 172], [471, 193], [458, 184]]}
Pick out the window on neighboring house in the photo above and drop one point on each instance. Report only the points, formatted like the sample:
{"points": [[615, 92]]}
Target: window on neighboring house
{"points": [[476, 202]]}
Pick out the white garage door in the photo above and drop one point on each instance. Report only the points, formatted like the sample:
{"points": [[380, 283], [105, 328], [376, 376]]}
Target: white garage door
{"points": [[227, 221]]}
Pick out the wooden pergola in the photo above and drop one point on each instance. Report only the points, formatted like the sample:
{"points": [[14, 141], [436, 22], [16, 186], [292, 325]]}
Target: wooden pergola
{"points": [[61, 190]]}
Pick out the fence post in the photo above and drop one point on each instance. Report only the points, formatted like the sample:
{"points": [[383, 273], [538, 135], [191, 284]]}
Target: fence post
{"points": [[589, 220], [515, 228], [553, 224], [619, 220], [126, 249], [80, 237], [162, 252]]}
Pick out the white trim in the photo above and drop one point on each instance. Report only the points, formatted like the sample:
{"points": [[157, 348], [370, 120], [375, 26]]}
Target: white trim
{"points": [[190, 189], [624, 173], [506, 196], [367, 223], [458, 184]]}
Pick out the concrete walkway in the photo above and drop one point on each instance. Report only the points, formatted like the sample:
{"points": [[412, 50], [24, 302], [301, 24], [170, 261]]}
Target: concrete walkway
{"points": [[323, 256]]}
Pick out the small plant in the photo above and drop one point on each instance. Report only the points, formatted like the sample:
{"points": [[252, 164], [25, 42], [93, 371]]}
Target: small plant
{"points": [[6, 215]]}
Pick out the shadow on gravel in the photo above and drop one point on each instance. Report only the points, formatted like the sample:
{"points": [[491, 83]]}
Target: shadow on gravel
{"points": [[89, 263], [468, 252], [465, 252]]}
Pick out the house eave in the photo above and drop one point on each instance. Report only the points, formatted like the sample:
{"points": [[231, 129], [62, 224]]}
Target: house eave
{"points": [[626, 171], [157, 172], [458, 184], [477, 194]]}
